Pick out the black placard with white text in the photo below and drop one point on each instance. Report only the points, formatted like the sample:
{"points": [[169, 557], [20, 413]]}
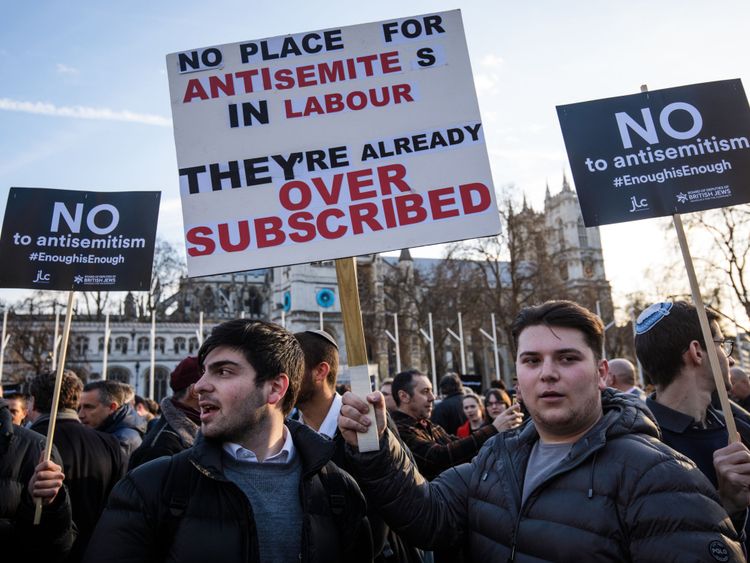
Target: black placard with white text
{"points": [[659, 153], [78, 240]]}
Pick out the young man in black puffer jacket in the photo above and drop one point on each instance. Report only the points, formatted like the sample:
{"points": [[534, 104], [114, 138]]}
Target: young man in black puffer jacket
{"points": [[252, 488], [586, 479]]}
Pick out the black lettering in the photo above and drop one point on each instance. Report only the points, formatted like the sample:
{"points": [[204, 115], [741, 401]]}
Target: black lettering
{"points": [[287, 165], [233, 175], [247, 50], [426, 57], [192, 177], [253, 167]]}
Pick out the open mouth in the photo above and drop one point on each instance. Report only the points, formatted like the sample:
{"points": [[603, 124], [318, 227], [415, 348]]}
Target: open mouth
{"points": [[551, 396], [207, 411]]}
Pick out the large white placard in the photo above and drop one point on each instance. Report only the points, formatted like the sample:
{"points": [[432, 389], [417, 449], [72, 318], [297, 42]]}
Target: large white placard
{"points": [[329, 144]]}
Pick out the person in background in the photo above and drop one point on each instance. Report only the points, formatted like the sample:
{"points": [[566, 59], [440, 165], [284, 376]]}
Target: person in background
{"points": [[449, 412], [147, 409], [385, 389], [175, 430], [19, 407], [475, 415], [740, 391], [622, 377], [104, 407], [92, 461]]}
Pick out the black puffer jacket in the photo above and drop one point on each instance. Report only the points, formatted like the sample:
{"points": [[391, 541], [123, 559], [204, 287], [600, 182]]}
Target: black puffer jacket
{"points": [[52, 539], [217, 523], [619, 495]]}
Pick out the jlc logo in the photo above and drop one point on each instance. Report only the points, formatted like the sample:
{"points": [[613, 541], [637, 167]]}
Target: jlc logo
{"points": [[638, 205], [41, 277]]}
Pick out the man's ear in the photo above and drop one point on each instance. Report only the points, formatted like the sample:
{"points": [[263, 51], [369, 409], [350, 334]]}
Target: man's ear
{"points": [[603, 372], [278, 387], [113, 407], [320, 372], [192, 392], [404, 397], [695, 354]]}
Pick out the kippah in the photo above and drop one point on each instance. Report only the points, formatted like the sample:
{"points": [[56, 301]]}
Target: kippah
{"points": [[651, 316], [324, 334]]}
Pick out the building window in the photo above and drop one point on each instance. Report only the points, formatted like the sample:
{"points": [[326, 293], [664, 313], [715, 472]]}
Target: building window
{"points": [[82, 345], [121, 344], [144, 344], [101, 345], [179, 345], [160, 344], [193, 345]]}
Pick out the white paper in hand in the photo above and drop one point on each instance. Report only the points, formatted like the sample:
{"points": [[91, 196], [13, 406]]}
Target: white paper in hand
{"points": [[360, 382]]}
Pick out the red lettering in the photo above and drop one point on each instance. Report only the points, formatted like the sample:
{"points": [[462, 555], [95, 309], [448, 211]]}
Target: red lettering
{"points": [[289, 109], [302, 221], [390, 215], [439, 200], [467, 199], [313, 106], [284, 79], [409, 209], [306, 76], [201, 237], [389, 62], [334, 103], [360, 104], [194, 89], [285, 195], [243, 228], [322, 224], [332, 196], [268, 232], [364, 213], [392, 174], [357, 180], [402, 91], [215, 84], [247, 78]]}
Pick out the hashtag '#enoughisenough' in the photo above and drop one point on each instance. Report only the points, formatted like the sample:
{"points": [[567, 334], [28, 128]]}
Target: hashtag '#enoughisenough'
{"points": [[32, 256]]}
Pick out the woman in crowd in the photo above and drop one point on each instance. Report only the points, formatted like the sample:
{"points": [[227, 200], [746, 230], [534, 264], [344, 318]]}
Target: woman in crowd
{"points": [[475, 415]]}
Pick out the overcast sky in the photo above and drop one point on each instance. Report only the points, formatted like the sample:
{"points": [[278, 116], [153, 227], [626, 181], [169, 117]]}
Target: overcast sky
{"points": [[84, 100]]}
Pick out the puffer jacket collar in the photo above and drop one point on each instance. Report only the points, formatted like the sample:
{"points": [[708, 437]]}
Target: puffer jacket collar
{"points": [[314, 451], [185, 428]]}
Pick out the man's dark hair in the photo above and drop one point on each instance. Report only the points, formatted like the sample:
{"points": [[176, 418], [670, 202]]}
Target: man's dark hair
{"points": [[404, 381], [660, 348], [565, 314], [43, 388], [110, 391], [318, 349], [269, 348], [450, 384]]}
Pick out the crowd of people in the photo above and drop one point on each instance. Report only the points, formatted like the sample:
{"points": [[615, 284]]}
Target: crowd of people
{"points": [[254, 457]]}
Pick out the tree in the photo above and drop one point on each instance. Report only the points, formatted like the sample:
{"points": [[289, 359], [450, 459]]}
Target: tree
{"points": [[168, 268]]}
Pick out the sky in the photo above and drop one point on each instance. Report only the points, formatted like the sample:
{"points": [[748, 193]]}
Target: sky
{"points": [[84, 98]]}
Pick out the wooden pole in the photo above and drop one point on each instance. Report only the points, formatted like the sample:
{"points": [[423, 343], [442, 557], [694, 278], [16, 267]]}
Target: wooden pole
{"points": [[55, 399], [356, 352]]}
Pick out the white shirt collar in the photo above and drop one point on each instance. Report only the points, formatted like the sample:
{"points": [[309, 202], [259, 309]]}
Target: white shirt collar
{"points": [[331, 421], [285, 455]]}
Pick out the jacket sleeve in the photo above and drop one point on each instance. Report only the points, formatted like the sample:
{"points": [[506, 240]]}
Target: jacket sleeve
{"points": [[428, 515], [128, 527], [433, 457], [695, 528]]}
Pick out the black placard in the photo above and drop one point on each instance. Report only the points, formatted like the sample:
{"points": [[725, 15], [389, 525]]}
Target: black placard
{"points": [[78, 240], [659, 153]]}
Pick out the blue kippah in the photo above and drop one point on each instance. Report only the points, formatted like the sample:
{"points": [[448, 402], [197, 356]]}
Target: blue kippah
{"points": [[652, 315]]}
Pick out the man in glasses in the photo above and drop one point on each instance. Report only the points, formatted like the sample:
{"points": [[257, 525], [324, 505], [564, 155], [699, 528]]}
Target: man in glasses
{"points": [[672, 351]]}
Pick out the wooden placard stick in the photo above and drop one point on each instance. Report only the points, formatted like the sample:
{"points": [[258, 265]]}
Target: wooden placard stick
{"points": [[55, 398], [356, 352]]}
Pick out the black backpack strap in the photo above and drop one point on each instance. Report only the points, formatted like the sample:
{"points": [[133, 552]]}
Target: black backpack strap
{"points": [[334, 484]]}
